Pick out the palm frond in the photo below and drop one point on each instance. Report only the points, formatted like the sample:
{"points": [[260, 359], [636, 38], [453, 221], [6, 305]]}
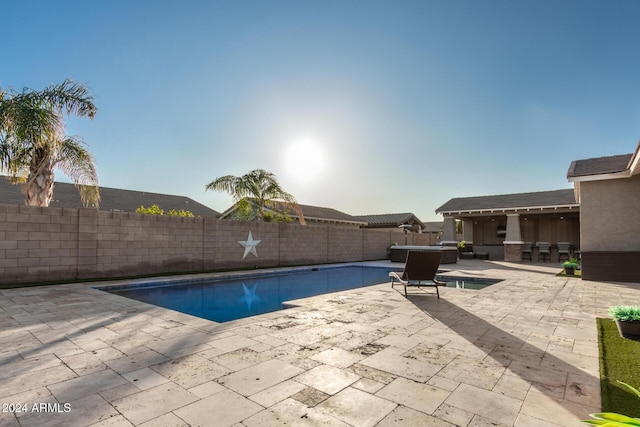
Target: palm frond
{"points": [[77, 163], [261, 187], [70, 96]]}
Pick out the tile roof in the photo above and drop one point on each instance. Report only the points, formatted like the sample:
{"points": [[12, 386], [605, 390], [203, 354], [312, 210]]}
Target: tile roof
{"points": [[316, 213], [433, 227], [510, 201], [327, 214], [390, 220], [65, 195], [599, 165]]}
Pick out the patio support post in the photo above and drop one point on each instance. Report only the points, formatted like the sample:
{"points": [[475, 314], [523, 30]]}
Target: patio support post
{"points": [[513, 240], [449, 232], [467, 230]]}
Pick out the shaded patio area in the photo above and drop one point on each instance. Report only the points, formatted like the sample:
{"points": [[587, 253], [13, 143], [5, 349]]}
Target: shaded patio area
{"points": [[521, 352]]}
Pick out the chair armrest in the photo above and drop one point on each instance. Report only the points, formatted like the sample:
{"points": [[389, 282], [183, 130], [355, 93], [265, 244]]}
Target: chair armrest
{"points": [[394, 276]]}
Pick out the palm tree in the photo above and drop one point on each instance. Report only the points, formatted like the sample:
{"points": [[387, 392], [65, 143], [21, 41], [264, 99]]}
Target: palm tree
{"points": [[33, 141], [259, 186]]}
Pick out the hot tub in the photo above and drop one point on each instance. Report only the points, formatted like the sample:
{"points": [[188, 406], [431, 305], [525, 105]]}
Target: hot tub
{"points": [[449, 253]]}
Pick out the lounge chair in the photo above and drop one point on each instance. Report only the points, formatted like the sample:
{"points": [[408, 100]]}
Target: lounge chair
{"points": [[419, 270]]}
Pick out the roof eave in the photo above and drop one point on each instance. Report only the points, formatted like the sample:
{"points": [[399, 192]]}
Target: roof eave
{"points": [[601, 177], [634, 162], [523, 209], [342, 221]]}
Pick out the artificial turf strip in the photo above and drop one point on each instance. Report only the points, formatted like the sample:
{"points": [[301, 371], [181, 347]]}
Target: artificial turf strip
{"points": [[618, 361]]}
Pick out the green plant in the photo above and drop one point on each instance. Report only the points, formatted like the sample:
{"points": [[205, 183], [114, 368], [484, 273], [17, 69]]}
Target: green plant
{"points": [[276, 217], [153, 210], [625, 312], [612, 419], [181, 212], [156, 210], [462, 244], [572, 263]]}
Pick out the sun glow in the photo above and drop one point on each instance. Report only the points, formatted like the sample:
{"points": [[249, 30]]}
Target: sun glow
{"points": [[304, 160]]}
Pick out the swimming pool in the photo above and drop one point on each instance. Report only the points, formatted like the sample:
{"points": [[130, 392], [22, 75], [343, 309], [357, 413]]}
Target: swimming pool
{"points": [[226, 298], [223, 299], [464, 282]]}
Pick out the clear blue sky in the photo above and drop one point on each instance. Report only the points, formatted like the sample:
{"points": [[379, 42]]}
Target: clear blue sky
{"points": [[407, 104]]}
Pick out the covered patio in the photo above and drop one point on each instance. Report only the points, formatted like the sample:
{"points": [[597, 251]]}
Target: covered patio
{"points": [[500, 225]]}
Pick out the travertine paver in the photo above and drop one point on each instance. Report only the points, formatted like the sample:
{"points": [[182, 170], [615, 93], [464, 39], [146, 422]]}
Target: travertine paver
{"points": [[327, 379], [495, 407], [87, 410], [291, 411], [70, 390], [149, 404], [419, 396], [225, 408], [190, 371], [356, 407], [259, 377], [338, 357], [403, 416], [521, 352]]}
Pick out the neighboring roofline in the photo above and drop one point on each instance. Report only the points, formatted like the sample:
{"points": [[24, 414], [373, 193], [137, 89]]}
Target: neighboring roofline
{"points": [[517, 209], [407, 216], [234, 207], [66, 196], [330, 220]]}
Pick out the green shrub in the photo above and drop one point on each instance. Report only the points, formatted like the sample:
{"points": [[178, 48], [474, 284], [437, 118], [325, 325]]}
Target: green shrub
{"points": [[625, 312], [155, 210], [181, 212], [572, 263]]}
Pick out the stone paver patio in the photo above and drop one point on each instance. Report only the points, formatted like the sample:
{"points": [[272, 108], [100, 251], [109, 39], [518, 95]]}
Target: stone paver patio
{"points": [[521, 352]]}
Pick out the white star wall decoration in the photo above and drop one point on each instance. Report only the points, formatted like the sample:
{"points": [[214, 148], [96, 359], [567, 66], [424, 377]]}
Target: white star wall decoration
{"points": [[249, 246]]}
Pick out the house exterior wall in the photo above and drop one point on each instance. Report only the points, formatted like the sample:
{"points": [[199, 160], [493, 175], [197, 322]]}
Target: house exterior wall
{"points": [[610, 215], [609, 227], [53, 244]]}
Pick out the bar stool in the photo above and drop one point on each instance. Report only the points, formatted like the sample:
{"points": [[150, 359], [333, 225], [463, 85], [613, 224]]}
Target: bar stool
{"points": [[564, 250], [544, 250], [526, 250]]}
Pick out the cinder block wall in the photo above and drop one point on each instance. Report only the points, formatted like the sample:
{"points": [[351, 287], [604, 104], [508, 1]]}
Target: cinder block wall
{"points": [[44, 244]]}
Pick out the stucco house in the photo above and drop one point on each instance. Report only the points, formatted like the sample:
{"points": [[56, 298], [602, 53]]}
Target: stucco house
{"points": [[500, 224], [608, 190]]}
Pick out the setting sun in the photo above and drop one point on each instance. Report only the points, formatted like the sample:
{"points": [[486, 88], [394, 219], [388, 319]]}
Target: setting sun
{"points": [[304, 160]]}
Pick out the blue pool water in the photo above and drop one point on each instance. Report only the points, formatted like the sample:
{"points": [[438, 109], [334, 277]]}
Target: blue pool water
{"points": [[467, 282], [228, 298], [225, 299]]}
